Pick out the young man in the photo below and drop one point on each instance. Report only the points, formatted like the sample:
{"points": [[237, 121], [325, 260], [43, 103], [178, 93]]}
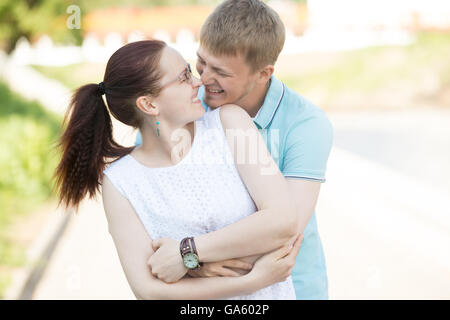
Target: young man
{"points": [[239, 45]]}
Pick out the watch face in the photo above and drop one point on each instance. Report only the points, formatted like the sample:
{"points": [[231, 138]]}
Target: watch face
{"points": [[190, 260]]}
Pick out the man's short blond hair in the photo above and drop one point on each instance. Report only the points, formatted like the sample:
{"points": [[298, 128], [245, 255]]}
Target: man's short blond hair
{"points": [[248, 27]]}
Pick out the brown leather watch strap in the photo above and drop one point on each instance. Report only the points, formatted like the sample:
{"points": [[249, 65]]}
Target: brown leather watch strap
{"points": [[194, 248], [188, 245], [185, 246]]}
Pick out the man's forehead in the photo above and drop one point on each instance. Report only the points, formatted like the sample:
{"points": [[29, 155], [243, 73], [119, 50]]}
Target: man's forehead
{"points": [[224, 61]]}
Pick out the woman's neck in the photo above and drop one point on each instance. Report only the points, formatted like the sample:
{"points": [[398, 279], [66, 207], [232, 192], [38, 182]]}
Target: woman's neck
{"points": [[167, 149]]}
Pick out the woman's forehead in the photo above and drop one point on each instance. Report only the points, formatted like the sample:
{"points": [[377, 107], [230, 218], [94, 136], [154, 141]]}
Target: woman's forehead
{"points": [[172, 63]]}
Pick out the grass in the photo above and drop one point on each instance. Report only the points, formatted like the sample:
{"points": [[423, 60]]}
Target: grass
{"points": [[75, 75], [346, 78], [371, 70], [27, 162]]}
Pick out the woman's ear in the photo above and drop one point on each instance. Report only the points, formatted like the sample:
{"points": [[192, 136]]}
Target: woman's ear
{"points": [[144, 103]]}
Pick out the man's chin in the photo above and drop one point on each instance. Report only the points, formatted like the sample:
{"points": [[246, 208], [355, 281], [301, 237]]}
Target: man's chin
{"points": [[214, 103]]}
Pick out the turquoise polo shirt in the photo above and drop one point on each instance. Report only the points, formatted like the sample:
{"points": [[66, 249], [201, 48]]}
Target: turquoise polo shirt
{"points": [[299, 137]]}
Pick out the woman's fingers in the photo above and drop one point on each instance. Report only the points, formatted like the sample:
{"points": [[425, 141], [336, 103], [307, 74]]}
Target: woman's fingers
{"points": [[288, 250], [296, 246], [236, 263], [283, 251]]}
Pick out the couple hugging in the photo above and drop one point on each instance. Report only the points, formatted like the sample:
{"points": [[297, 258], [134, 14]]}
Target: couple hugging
{"points": [[225, 227]]}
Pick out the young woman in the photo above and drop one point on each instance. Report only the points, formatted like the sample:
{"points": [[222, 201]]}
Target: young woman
{"points": [[183, 180]]}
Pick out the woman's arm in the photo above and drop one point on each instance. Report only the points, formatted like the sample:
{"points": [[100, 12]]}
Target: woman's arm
{"points": [[276, 222], [133, 246], [274, 225]]}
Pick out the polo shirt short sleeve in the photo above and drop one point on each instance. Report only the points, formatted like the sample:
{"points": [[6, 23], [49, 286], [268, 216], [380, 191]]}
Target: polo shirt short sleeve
{"points": [[307, 147]]}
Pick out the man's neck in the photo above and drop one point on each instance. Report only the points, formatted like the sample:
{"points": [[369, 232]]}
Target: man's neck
{"points": [[254, 100]]}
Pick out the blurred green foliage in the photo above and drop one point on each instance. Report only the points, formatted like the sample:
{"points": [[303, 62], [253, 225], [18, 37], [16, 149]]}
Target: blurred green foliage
{"points": [[27, 163], [30, 19], [33, 18], [101, 4], [27, 160]]}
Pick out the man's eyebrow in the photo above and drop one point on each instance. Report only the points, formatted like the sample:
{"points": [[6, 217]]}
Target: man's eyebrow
{"points": [[217, 69]]}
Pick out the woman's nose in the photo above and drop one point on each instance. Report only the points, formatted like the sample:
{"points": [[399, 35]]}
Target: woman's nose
{"points": [[196, 82]]}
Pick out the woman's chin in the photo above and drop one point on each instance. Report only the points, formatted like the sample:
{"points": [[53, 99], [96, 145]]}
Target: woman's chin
{"points": [[199, 111]]}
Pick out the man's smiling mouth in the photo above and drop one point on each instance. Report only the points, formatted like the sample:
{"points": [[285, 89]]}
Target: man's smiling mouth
{"points": [[214, 90]]}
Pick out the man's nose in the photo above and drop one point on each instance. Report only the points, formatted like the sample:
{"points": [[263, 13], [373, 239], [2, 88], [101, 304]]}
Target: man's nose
{"points": [[205, 77]]}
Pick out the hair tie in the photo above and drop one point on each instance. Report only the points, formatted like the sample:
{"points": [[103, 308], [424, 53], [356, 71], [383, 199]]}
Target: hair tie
{"points": [[101, 88]]}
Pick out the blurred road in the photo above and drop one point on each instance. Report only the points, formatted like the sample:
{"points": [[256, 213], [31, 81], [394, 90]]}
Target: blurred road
{"points": [[383, 215]]}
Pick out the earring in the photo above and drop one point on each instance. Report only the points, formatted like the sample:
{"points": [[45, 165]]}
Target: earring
{"points": [[157, 128]]}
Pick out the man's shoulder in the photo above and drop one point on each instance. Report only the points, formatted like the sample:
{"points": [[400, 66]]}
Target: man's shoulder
{"points": [[298, 109]]}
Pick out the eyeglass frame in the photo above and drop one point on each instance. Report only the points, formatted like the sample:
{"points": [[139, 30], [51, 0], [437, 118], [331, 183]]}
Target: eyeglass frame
{"points": [[186, 75]]}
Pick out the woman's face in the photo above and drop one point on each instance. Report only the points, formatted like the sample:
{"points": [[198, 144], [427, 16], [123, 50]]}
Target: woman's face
{"points": [[177, 101]]}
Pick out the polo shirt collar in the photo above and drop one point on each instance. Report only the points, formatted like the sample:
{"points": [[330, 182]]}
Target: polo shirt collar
{"points": [[271, 103]]}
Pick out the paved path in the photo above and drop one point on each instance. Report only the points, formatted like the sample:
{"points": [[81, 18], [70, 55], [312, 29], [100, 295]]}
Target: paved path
{"points": [[378, 240], [32, 85]]}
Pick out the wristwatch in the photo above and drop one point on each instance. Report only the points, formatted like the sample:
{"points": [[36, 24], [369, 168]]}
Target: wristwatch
{"points": [[189, 254]]}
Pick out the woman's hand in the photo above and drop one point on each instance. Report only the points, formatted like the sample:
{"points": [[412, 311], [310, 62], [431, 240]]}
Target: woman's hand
{"points": [[276, 266], [222, 269], [166, 263]]}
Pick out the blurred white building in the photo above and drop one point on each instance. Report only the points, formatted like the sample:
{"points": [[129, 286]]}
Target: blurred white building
{"points": [[351, 24], [348, 15]]}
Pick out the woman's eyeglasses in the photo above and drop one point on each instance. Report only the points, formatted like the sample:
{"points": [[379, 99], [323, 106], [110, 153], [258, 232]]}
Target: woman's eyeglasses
{"points": [[186, 75]]}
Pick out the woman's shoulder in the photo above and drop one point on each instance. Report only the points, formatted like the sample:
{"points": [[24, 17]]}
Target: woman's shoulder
{"points": [[235, 117], [228, 116], [118, 173], [210, 119], [119, 165], [233, 110]]}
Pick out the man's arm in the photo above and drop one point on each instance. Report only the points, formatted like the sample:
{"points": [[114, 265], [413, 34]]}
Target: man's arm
{"points": [[305, 194]]}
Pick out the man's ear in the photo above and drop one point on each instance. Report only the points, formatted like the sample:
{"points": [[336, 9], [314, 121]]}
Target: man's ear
{"points": [[265, 73], [145, 104]]}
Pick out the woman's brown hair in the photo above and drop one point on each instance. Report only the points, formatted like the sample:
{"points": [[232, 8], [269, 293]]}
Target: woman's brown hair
{"points": [[87, 144]]}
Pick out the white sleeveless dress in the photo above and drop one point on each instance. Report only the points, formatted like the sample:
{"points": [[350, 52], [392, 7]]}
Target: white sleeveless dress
{"points": [[200, 194]]}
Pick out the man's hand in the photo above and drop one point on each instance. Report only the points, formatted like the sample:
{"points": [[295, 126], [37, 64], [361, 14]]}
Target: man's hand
{"points": [[225, 268], [166, 263]]}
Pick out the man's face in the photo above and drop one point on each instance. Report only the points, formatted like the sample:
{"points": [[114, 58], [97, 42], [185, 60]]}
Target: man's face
{"points": [[227, 79]]}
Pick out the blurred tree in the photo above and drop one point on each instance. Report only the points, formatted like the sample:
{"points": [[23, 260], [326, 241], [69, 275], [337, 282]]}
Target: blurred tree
{"points": [[31, 18], [101, 4]]}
